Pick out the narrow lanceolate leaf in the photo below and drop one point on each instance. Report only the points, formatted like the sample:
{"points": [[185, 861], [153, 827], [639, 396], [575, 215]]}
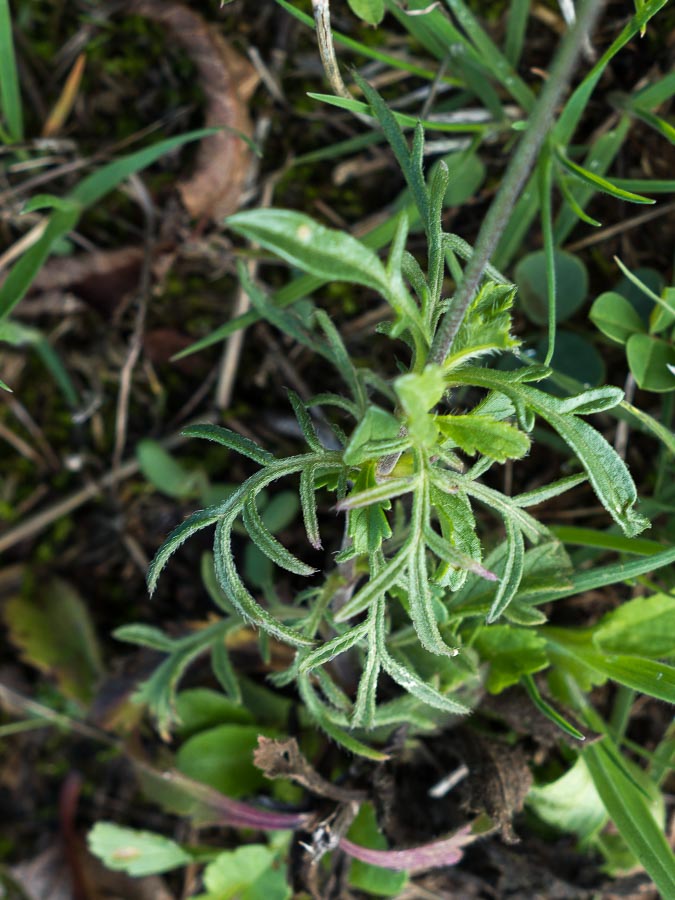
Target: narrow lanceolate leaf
{"points": [[198, 520], [606, 470], [366, 698], [223, 670], [375, 587], [421, 605], [447, 553], [513, 571], [239, 596], [145, 636], [231, 440], [413, 684], [392, 131], [10, 93], [548, 491], [630, 813], [333, 648], [600, 183], [269, 545], [305, 422], [308, 503], [386, 490], [341, 357], [304, 243], [320, 713]]}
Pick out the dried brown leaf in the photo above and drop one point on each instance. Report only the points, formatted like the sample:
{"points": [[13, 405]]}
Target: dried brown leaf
{"points": [[283, 759], [228, 81]]}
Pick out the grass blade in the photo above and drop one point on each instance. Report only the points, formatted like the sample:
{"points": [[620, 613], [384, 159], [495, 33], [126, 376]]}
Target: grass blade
{"points": [[10, 95], [631, 815]]}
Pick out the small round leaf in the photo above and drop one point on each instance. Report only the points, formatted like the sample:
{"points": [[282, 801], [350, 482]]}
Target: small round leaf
{"points": [[571, 285]]}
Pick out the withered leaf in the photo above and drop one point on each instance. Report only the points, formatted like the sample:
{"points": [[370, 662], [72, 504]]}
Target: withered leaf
{"points": [[228, 81]]}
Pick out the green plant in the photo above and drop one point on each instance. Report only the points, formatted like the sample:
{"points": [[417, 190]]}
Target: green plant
{"points": [[416, 595]]}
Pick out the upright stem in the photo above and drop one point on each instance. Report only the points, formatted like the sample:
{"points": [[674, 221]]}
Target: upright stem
{"points": [[516, 173]]}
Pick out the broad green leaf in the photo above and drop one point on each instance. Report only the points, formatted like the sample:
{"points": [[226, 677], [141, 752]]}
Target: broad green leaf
{"points": [[376, 425], [420, 392], [373, 880], [644, 675], [571, 803], [52, 628], [644, 626], [222, 757], [231, 440], [600, 183], [371, 11], [511, 653], [615, 317], [467, 173], [311, 247], [246, 873], [199, 709], [166, 473], [486, 435], [138, 853], [651, 360], [571, 285], [633, 817]]}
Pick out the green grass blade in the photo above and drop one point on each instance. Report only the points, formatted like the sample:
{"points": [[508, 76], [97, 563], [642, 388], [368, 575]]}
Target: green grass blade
{"points": [[516, 25], [631, 815], [498, 64], [10, 94], [598, 182], [63, 220], [603, 540], [369, 52], [24, 271], [95, 186], [356, 106], [615, 573], [575, 106], [547, 710], [599, 158]]}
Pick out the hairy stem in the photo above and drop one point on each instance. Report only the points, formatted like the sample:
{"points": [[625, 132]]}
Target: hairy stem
{"points": [[516, 173]]}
